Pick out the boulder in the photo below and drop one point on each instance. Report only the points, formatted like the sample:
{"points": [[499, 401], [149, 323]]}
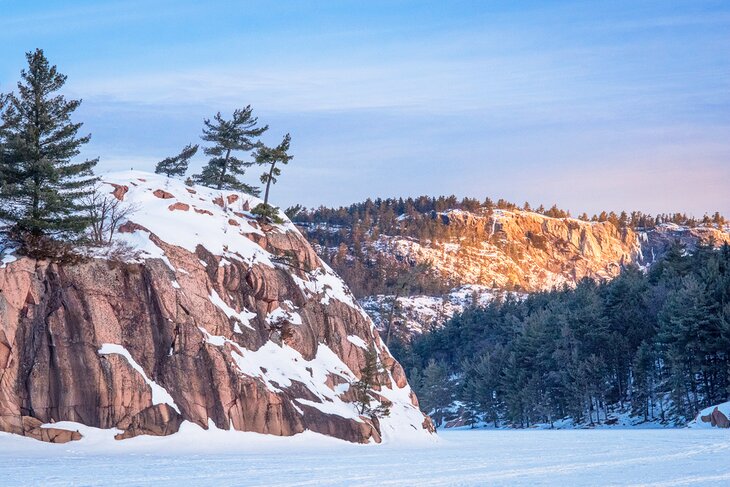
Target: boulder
{"points": [[716, 418], [179, 206], [162, 194]]}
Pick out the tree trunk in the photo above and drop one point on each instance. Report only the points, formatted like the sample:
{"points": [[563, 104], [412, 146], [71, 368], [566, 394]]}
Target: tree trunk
{"points": [[392, 313], [268, 184], [590, 410], [223, 171]]}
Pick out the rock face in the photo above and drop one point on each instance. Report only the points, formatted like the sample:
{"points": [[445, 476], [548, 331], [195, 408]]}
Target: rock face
{"points": [[527, 252], [490, 255], [200, 320], [656, 242], [716, 418], [713, 416], [522, 251]]}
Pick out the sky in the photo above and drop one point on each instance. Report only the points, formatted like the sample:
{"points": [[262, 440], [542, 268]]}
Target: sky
{"points": [[587, 105]]}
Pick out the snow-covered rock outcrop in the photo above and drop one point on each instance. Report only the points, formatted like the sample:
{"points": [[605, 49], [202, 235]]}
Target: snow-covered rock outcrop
{"points": [[209, 315], [713, 416]]}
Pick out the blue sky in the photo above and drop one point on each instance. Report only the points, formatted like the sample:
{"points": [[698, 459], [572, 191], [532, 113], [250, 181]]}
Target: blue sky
{"points": [[590, 105]]}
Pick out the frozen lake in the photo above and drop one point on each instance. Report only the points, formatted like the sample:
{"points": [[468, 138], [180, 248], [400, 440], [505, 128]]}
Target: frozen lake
{"points": [[466, 458]]}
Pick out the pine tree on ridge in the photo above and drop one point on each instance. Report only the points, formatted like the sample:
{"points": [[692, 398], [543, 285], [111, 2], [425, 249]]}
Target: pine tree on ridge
{"points": [[229, 136], [177, 165], [271, 156]]}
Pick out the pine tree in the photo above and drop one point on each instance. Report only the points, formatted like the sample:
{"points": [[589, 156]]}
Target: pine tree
{"points": [[229, 137], [177, 165], [643, 384], [271, 156], [293, 211], [718, 220], [368, 380], [690, 333], [436, 390], [480, 385], [41, 186]]}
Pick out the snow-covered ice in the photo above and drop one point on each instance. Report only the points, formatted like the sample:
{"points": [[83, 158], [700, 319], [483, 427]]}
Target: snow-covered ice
{"points": [[668, 457]]}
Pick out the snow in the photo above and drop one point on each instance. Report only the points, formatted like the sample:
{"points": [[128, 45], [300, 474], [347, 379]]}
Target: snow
{"points": [[284, 364], [159, 393], [278, 365], [188, 228], [357, 341], [324, 281], [460, 458], [243, 317], [7, 258], [7, 250], [280, 315], [420, 312]]}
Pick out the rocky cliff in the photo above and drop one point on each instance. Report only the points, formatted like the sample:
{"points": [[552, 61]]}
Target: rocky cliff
{"points": [[199, 314], [528, 252], [511, 251], [523, 251]]}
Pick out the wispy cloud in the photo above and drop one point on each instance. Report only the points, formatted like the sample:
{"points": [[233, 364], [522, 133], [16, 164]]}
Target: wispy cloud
{"points": [[581, 103]]}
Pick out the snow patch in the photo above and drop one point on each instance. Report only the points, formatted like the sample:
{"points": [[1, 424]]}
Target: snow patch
{"points": [[211, 225], [357, 341], [280, 315], [159, 393], [243, 317]]}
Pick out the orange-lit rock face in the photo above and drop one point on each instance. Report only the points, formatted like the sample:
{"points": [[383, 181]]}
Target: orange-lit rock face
{"points": [[249, 343], [525, 251], [522, 251]]}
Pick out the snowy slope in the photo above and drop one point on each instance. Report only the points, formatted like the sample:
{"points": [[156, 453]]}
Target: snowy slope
{"points": [[419, 313]]}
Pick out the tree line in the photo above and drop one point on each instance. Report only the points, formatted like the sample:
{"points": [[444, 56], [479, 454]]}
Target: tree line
{"points": [[653, 344], [346, 236], [49, 198], [387, 214]]}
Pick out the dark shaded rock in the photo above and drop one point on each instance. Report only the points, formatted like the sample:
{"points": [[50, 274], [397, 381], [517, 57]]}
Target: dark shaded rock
{"points": [[157, 420]]}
